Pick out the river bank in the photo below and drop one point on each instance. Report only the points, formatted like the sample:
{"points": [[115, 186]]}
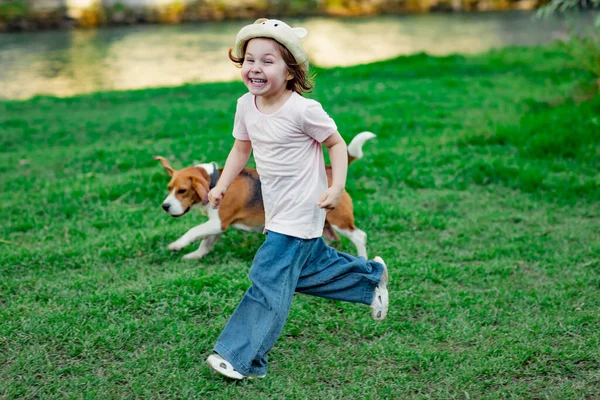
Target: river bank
{"points": [[28, 15]]}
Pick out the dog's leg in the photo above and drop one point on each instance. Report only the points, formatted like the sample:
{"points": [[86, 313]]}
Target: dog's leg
{"points": [[209, 228], [356, 236], [205, 247], [329, 234]]}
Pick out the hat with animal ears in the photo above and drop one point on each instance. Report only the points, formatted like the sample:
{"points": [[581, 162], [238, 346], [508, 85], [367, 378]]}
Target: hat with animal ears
{"points": [[276, 30]]}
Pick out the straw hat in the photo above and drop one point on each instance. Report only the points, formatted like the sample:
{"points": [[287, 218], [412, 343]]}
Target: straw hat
{"points": [[277, 30]]}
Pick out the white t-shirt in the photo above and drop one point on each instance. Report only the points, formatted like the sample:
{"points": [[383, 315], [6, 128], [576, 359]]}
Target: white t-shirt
{"points": [[289, 159]]}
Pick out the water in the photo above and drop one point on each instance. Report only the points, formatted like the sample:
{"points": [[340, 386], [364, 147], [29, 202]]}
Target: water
{"points": [[65, 63]]}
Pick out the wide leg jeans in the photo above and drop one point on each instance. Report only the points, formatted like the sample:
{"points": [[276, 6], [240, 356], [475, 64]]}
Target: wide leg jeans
{"points": [[284, 265]]}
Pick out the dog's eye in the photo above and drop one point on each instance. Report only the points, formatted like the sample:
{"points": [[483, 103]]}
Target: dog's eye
{"points": [[181, 191]]}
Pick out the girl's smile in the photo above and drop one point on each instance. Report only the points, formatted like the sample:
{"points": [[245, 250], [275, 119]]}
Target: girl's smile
{"points": [[258, 82]]}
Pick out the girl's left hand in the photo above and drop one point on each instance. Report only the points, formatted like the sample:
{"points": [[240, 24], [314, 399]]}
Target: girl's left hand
{"points": [[330, 199]]}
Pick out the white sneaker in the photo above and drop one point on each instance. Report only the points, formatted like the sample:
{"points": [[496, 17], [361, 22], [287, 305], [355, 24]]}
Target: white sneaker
{"points": [[380, 303], [222, 366]]}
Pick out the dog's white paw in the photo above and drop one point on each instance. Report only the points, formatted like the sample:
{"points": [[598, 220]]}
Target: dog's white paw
{"points": [[196, 255], [176, 246]]}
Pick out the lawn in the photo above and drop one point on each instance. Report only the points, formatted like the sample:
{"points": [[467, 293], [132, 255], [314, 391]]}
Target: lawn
{"points": [[481, 191]]}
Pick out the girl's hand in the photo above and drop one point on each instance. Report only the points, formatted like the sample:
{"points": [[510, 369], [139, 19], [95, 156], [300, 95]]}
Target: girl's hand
{"points": [[330, 198], [215, 196]]}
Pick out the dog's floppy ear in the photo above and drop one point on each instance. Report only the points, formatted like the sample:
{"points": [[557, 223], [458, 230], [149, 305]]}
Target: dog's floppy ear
{"points": [[165, 163], [201, 187]]}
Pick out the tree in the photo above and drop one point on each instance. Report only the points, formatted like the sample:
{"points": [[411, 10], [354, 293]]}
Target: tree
{"points": [[562, 6]]}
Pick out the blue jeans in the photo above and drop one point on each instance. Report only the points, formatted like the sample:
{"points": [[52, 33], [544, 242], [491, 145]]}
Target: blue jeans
{"points": [[282, 265]]}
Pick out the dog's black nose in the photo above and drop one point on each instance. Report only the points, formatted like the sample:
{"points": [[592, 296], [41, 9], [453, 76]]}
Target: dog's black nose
{"points": [[166, 206]]}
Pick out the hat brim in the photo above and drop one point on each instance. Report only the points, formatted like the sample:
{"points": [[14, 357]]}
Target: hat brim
{"points": [[257, 31]]}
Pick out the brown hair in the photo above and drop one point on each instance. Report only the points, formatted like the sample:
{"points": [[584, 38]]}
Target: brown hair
{"points": [[299, 83]]}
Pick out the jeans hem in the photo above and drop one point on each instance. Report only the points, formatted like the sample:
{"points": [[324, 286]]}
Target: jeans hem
{"points": [[370, 289]]}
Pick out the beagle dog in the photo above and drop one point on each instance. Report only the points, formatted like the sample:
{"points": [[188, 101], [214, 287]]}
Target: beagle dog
{"points": [[242, 206]]}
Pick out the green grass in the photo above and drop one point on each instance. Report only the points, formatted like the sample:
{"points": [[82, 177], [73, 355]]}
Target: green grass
{"points": [[481, 196]]}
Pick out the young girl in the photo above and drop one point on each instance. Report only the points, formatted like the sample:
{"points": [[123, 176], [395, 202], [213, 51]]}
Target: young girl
{"points": [[286, 131]]}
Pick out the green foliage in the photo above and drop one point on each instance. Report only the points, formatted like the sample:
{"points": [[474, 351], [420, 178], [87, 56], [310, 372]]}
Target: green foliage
{"points": [[119, 7], [13, 10], [585, 49], [583, 44], [481, 197], [562, 6]]}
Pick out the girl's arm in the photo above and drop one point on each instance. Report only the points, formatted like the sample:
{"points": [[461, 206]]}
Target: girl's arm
{"points": [[236, 161], [338, 155]]}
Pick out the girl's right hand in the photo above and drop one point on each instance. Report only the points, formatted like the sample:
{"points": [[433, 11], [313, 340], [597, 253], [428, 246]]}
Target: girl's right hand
{"points": [[215, 196]]}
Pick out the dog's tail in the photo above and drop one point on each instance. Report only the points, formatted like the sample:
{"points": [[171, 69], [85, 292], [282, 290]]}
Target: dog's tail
{"points": [[356, 144]]}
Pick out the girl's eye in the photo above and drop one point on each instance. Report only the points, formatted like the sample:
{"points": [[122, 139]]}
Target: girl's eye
{"points": [[250, 60], [181, 191], [268, 62]]}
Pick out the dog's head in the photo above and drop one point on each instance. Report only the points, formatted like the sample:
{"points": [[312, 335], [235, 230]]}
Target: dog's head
{"points": [[187, 188]]}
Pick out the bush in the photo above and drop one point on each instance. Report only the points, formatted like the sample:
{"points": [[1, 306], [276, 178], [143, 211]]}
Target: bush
{"points": [[582, 45], [12, 11]]}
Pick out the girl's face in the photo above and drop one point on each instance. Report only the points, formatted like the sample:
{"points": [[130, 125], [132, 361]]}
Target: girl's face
{"points": [[264, 71]]}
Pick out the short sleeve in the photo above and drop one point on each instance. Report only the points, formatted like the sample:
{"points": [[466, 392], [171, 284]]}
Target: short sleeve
{"points": [[239, 125], [316, 123]]}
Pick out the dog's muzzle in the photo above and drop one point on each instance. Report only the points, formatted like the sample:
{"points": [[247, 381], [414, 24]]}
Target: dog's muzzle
{"points": [[167, 207]]}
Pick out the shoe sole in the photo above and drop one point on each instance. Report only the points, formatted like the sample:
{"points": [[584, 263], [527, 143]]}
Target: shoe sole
{"points": [[215, 364], [384, 294]]}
